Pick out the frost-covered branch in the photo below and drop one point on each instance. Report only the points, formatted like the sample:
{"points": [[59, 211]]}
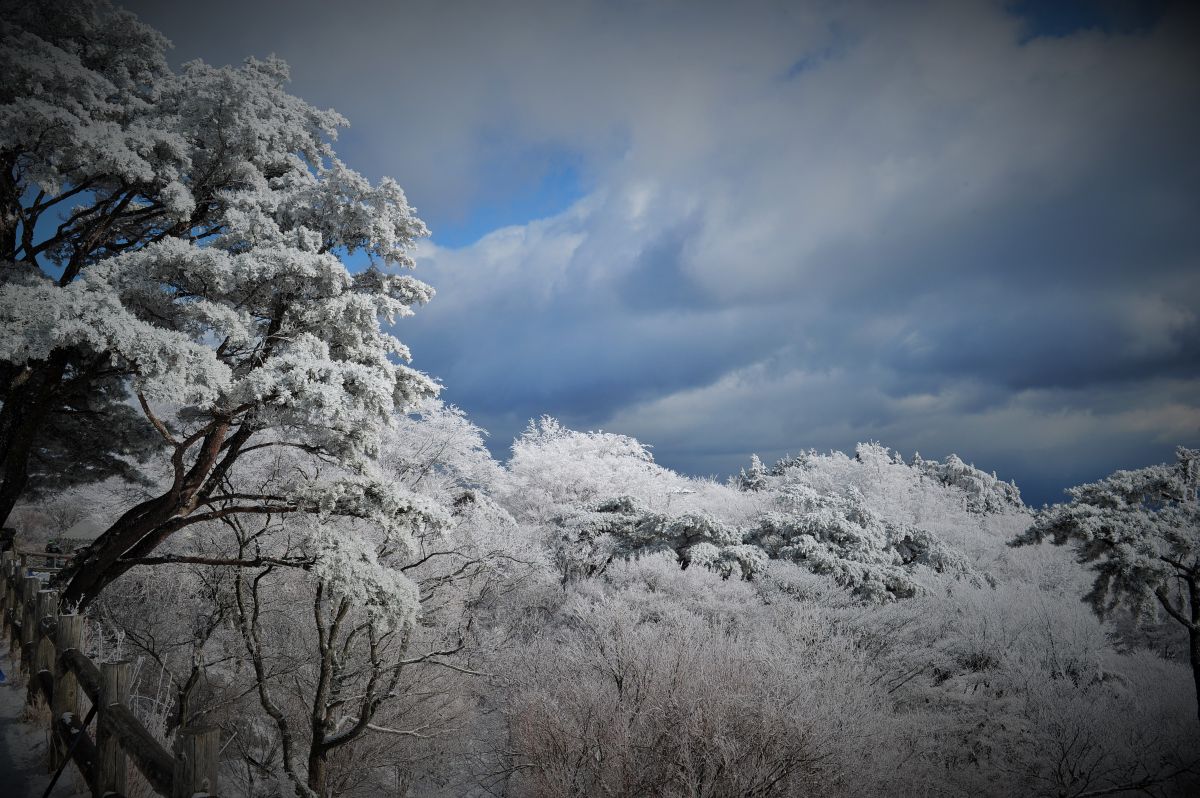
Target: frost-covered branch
{"points": [[185, 559], [402, 732]]}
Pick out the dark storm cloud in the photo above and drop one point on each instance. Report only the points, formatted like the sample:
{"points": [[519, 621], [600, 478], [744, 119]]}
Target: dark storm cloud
{"points": [[945, 226], [1051, 342], [658, 281]]}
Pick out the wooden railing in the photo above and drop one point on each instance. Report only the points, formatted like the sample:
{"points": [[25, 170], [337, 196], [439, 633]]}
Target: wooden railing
{"points": [[57, 670]]}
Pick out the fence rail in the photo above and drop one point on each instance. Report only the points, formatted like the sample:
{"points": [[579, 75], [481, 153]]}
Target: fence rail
{"points": [[58, 670]]}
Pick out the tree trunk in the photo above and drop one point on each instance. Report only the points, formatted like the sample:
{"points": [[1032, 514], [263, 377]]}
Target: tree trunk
{"points": [[10, 207], [1193, 585], [143, 528], [96, 566], [1194, 641], [27, 403], [318, 769]]}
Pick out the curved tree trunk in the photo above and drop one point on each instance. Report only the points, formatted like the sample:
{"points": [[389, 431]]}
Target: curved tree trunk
{"points": [[147, 525], [97, 565]]}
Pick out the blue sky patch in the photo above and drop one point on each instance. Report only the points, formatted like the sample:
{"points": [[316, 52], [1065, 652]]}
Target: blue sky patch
{"points": [[537, 183], [1059, 18]]}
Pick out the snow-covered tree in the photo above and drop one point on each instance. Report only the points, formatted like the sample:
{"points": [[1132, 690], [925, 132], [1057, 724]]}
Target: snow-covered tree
{"points": [[1140, 532], [334, 640], [553, 467], [754, 477], [882, 475], [838, 536], [437, 450], [660, 681], [590, 539], [85, 163], [984, 492], [202, 218]]}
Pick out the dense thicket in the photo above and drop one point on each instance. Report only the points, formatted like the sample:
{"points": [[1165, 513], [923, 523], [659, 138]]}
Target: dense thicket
{"points": [[887, 641]]}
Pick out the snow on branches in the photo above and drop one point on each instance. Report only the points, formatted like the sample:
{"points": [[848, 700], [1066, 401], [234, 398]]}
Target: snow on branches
{"points": [[839, 536], [349, 568], [398, 511], [983, 492], [1140, 531], [184, 233]]}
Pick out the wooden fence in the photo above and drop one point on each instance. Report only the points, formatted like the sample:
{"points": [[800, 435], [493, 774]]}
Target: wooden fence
{"points": [[58, 670]]}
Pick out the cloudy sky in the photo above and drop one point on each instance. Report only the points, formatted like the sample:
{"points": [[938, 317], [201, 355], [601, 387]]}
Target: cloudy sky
{"points": [[727, 228]]}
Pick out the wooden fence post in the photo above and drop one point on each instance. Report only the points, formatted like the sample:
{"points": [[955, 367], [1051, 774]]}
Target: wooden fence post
{"points": [[43, 647], [6, 559], [30, 585], [45, 607], [111, 769], [8, 567], [196, 759], [68, 635], [13, 614]]}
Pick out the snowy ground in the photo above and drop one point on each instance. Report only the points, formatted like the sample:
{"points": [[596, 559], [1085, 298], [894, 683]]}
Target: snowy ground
{"points": [[23, 745]]}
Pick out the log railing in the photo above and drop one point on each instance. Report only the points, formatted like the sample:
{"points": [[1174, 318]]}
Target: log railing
{"points": [[59, 671]]}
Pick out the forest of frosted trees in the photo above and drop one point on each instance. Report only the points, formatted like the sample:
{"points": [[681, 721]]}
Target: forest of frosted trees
{"points": [[293, 540]]}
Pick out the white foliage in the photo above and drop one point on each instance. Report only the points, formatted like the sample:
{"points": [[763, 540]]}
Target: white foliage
{"points": [[219, 284], [350, 569], [436, 449], [596, 494], [398, 511], [1140, 533], [554, 469], [985, 493]]}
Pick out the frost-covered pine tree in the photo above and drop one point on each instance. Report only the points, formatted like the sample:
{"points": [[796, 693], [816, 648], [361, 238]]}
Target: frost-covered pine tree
{"points": [[753, 478], [1140, 532], [183, 234], [81, 168]]}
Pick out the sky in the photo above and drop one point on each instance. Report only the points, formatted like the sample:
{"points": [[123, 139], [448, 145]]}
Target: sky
{"points": [[735, 228]]}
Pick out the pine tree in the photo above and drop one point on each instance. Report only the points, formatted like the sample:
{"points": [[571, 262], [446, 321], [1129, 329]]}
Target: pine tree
{"points": [[196, 259], [1140, 532]]}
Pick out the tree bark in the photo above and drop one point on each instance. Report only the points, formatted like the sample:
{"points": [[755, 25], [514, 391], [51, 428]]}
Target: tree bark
{"points": [[28, 400], [10, 206], [96, 566], [318, 770], [1193, 585], [1194, 640], [144, 527]]}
